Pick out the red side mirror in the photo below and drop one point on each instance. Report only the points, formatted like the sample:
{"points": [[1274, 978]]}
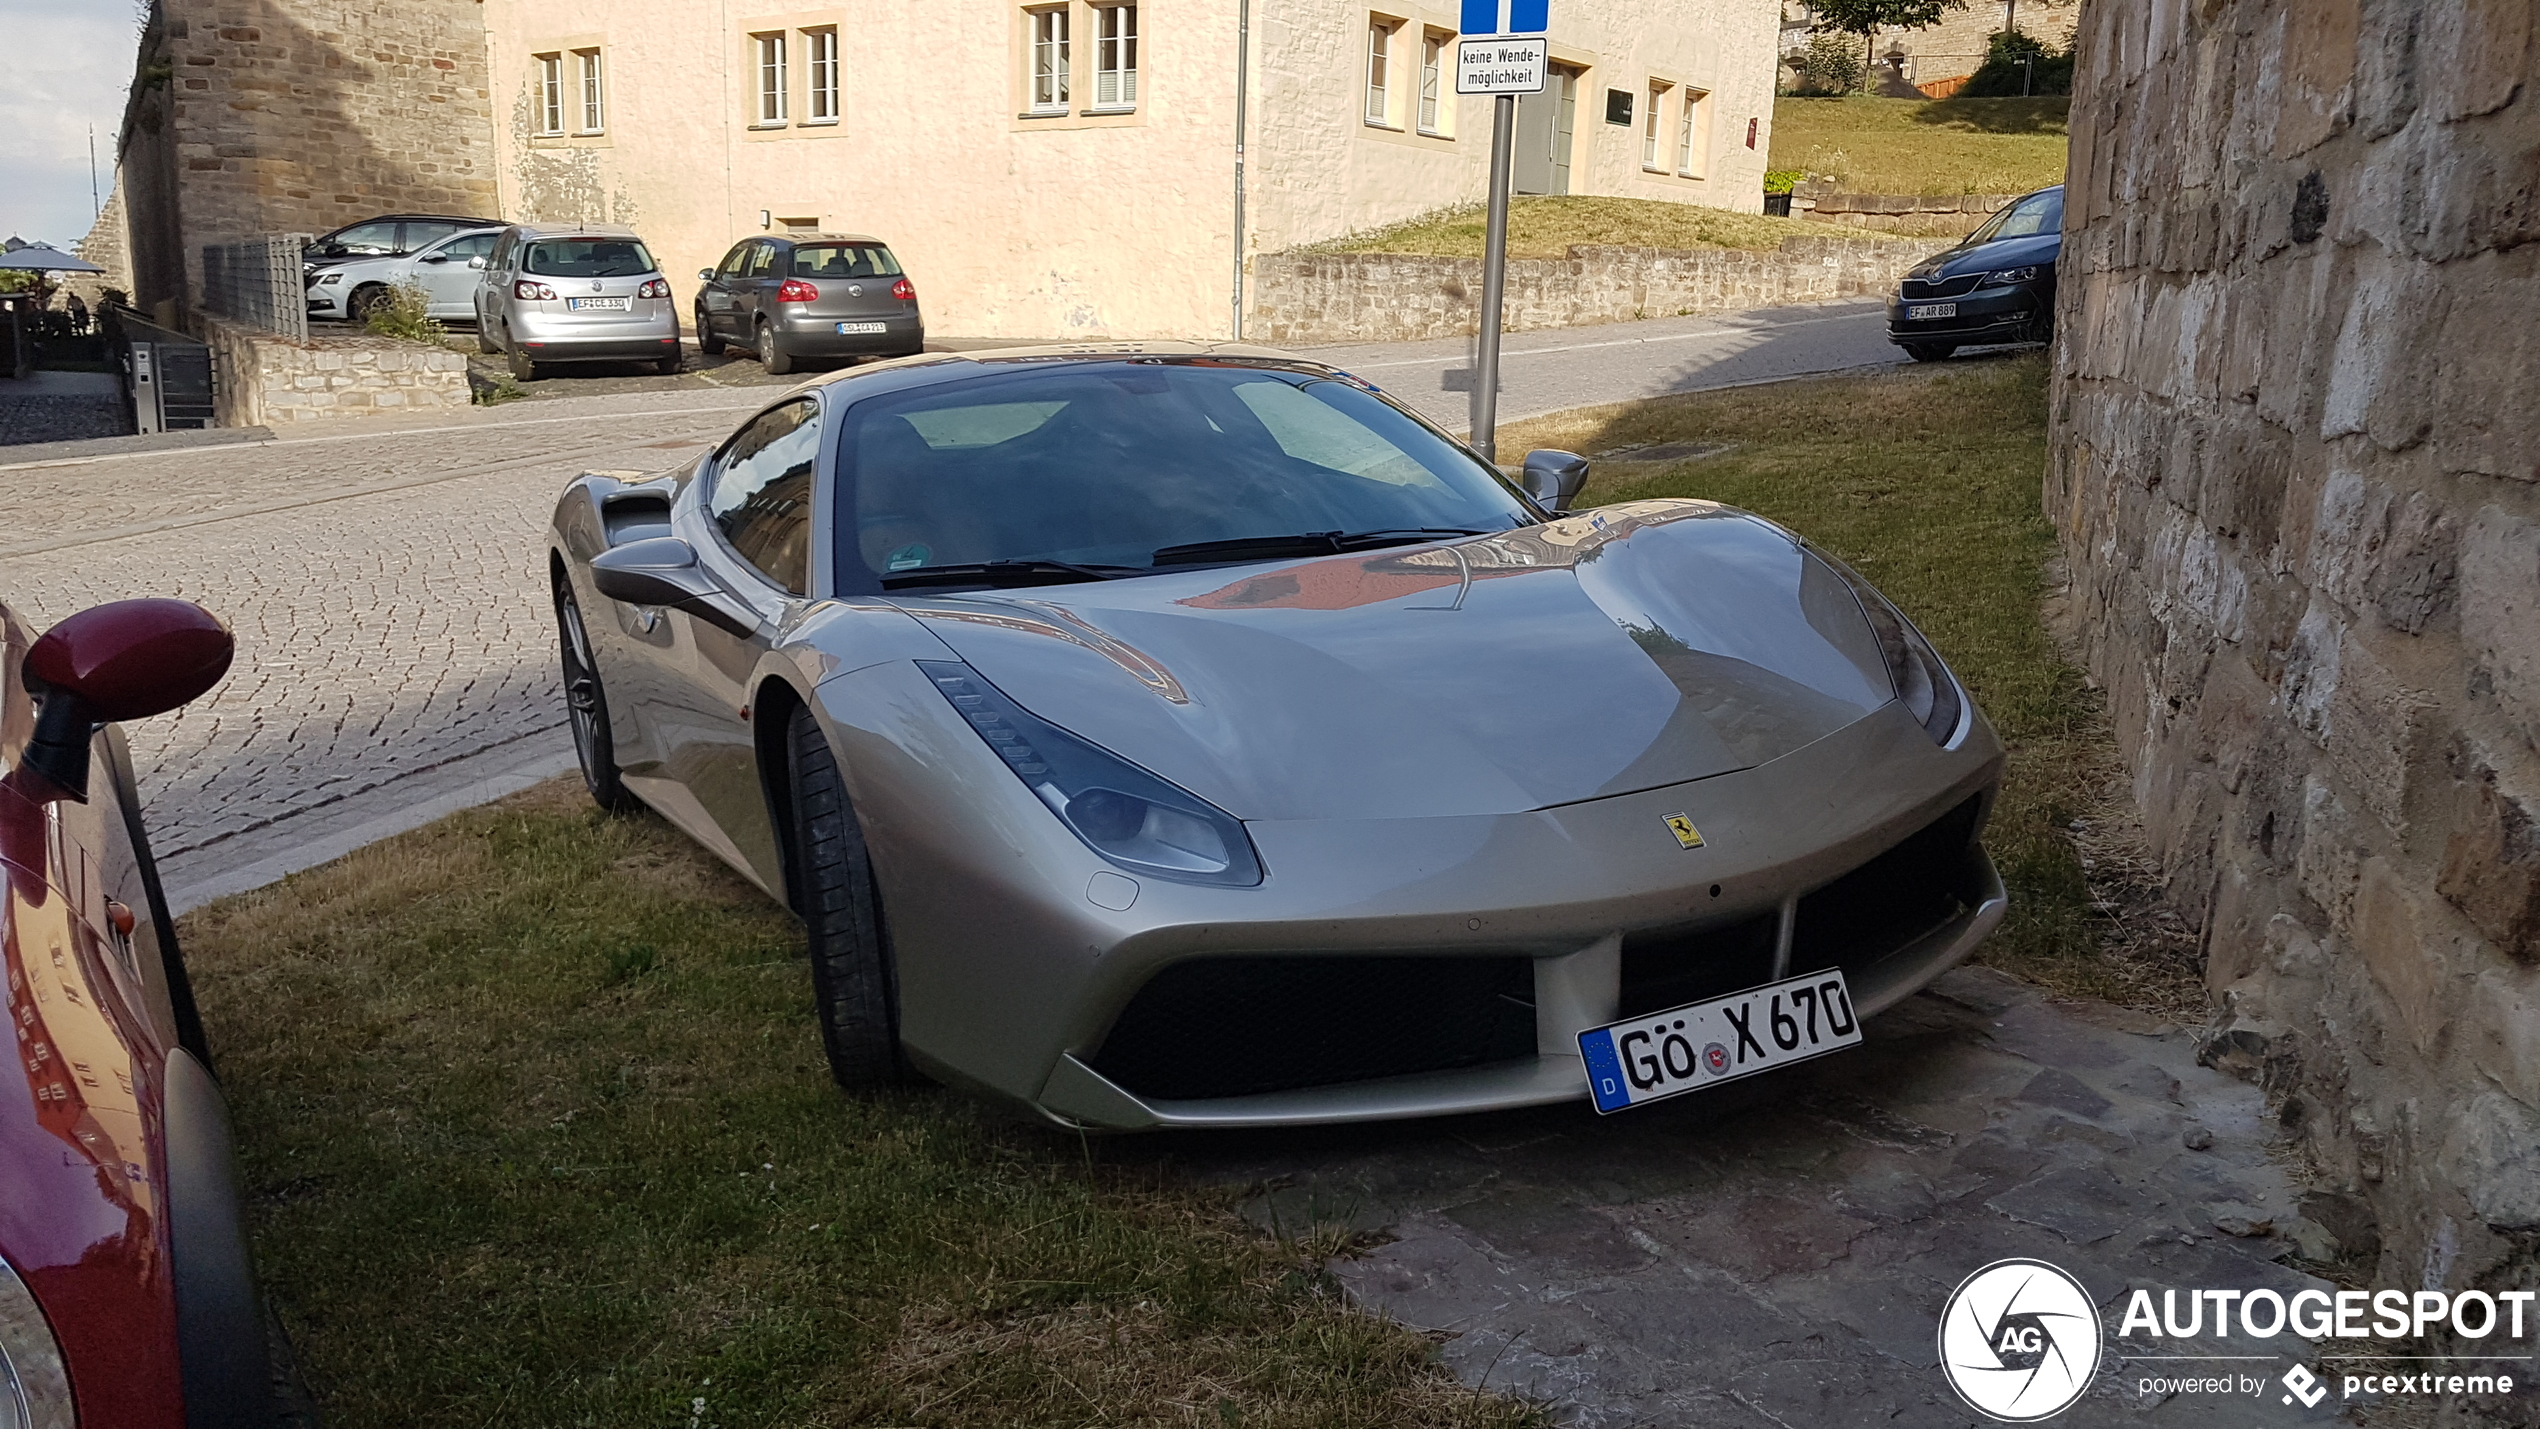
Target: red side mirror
{"points": [[126, 660]]}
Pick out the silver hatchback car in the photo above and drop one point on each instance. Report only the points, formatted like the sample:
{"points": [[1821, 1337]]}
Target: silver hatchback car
{"points": [[586, 292]]}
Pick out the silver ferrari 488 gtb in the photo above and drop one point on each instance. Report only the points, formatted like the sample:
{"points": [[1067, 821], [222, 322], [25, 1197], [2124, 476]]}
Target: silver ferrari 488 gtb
{"points": [[1191, 736]]}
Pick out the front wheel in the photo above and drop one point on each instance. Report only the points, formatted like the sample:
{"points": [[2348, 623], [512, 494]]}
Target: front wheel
{"points": [[587, 707], [1929, 351], [854, 986], [775, 359], [709, 341], [366, 300]]}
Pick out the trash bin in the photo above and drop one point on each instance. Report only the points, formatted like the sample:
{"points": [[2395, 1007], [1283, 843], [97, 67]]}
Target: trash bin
{"points": [[1777, 205]]}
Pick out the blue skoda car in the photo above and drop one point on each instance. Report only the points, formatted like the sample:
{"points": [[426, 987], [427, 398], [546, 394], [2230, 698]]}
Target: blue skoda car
{"points": [[1997, 286]]}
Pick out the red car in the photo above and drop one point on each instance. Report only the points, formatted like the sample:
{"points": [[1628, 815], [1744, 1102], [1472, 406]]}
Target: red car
{"points": [[127, 1300]]}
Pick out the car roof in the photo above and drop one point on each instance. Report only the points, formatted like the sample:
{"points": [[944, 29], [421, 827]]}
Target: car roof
{"points": [[799, 238], [576, 230], [933, 368], [409, 217]]}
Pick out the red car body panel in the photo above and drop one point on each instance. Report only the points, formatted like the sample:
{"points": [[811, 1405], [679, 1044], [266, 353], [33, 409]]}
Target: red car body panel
{"points": [[83, 1175]]}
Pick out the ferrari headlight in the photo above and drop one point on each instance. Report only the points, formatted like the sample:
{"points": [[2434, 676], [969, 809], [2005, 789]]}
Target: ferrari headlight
{"points": [[35, 1390], [1129, 816], [2014, 275], [1929, 692]]}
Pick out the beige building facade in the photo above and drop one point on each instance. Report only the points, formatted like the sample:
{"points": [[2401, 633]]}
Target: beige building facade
{"points": [[1068, 170]]}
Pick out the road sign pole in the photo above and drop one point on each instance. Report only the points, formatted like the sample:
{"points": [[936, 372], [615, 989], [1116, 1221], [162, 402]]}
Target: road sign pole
{"points": [[1503, 151]]}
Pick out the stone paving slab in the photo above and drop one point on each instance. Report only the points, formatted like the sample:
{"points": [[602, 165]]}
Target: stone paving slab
{"points": [[1778, 1252]]}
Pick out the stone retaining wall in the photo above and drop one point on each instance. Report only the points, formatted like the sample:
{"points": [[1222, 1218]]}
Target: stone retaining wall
{"points": [[1951, 215], [2293, 462], [1310, 299], [263, 380]]}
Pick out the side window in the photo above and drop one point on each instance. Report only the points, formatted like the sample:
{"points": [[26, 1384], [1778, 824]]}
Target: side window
{"points": [[762, 492], [762, 258], [734, 261], [475, 245], [502, 251]]}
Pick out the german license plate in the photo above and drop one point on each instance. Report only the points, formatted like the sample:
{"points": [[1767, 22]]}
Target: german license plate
{"points": [[1688, 1048], [599, 305], [1919, 311], [845, 328]]}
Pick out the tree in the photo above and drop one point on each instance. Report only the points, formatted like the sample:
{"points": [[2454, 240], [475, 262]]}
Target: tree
{"points": [[1866, 17]]}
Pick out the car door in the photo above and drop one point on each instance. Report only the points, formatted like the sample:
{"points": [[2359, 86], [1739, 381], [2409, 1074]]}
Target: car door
{"points": [[716, 299], [756, 292], [448, 271], [492, 280], [752, 528]]}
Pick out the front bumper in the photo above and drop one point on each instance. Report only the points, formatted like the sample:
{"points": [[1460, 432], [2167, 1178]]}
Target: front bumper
{"points": [[806, 336], [2004, 314], [1013, 977]]}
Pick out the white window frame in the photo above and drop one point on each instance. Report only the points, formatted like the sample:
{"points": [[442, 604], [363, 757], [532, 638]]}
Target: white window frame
{"points": [[1693, 135], [1115, 57], [1432, 76], [550, 94], [1378, 109], [772, 107], [1051, 55], [595, 112], [820, 51], [1657, 97]]}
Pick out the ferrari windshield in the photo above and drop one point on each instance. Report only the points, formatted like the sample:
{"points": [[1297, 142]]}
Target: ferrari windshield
{"points": [[1105, 464]]}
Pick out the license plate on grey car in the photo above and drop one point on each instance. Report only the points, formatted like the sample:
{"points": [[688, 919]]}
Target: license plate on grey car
{"points": [[844, 328], [1686, 1049], [1931, 310], [598, 305]]}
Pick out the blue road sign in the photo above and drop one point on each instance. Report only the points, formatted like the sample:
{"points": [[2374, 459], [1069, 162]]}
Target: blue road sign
{"points": [[1507, 17]]}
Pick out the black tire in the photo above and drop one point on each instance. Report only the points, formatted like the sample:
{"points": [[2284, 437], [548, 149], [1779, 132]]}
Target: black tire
{"points": [[709, 341], [522, 367], [485, 338], [366, 299], [669, 366], [854, 986], [1929, 351], [775, 359], [587, 707]]}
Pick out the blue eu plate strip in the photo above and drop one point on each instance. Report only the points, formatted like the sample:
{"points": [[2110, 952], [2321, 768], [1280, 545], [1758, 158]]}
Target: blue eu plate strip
{"points": [[1605, 1070]]}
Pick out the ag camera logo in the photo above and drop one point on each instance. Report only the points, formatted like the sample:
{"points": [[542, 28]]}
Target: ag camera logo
{"points": [[2019, 1341]]}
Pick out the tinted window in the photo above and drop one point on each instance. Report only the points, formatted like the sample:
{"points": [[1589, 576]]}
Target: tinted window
{"points": [[762, 492], [586, 258], [844, 260], [1104, 463], [378, 237], [475, 245], [422, 232], [762, 258], [734, 261]]}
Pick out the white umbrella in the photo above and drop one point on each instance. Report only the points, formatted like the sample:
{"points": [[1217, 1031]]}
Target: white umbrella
{"points": [[46, 260]]}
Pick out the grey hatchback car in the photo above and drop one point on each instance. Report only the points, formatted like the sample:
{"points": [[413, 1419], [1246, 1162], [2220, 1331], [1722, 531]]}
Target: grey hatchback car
{"points": [[575, 293], [809, 295]]}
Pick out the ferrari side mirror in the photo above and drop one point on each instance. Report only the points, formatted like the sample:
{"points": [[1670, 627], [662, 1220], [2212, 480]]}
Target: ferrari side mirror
{"points": [[663, 570], [1554, 478], [126, 660]]}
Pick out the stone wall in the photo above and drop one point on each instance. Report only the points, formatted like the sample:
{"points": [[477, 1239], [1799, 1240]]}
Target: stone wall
{"points": [[298, 116], [1926, 215], [265, 381], [1305, 299], [2296, 467], [1955, 47]]}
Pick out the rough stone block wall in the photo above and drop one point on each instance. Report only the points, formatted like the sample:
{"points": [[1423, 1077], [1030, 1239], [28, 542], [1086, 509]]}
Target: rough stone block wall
{"points": [[2296, 467], [1303, 299], [298, 116], [266, 381], [1955, 47]]}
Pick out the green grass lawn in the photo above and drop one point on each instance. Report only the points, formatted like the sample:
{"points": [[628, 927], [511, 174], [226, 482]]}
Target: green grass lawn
{"points": [[1917, 146], [536, 1130], [1546, 227]]}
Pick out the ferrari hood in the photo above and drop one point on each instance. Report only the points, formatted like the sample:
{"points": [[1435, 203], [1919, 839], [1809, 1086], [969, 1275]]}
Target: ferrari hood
{"points": [[1611, 651]]}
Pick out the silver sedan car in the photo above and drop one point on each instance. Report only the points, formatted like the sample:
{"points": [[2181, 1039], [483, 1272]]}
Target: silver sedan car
{"points": [[1179, 735]]}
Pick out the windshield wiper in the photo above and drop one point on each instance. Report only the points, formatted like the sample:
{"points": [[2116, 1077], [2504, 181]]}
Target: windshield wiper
{"points": [[1007, 573], [1305, 543]]}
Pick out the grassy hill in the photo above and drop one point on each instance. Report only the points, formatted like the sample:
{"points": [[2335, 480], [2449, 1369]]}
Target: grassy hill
{"points": [[1919, 146], [1546, 227]]}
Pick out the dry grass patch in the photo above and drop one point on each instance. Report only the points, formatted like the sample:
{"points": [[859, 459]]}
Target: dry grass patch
{"points": [[536, 1132], [1924, 146], [1926, 480], [1546, 227]]}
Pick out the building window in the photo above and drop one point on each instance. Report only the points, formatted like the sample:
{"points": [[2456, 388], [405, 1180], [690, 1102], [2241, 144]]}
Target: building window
{"points": [[773, 91], [1115, 56], [1379, 71], [1432, 61], [821, 47], [1049, 61], [595, 113], [1649, 127], [1693, 136], [550, 94]]}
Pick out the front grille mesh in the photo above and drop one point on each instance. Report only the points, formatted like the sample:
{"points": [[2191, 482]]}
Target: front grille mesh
{"points": [[1670, 967], [1890, 901], [1223, 1027], [1920, 288]]}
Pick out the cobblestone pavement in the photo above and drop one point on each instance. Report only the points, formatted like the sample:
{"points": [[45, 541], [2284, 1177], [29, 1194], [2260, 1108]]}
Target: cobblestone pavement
{"points": [[61, 407]]}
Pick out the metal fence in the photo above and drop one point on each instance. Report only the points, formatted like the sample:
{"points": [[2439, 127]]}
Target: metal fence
{"points": [[257, 281]]}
